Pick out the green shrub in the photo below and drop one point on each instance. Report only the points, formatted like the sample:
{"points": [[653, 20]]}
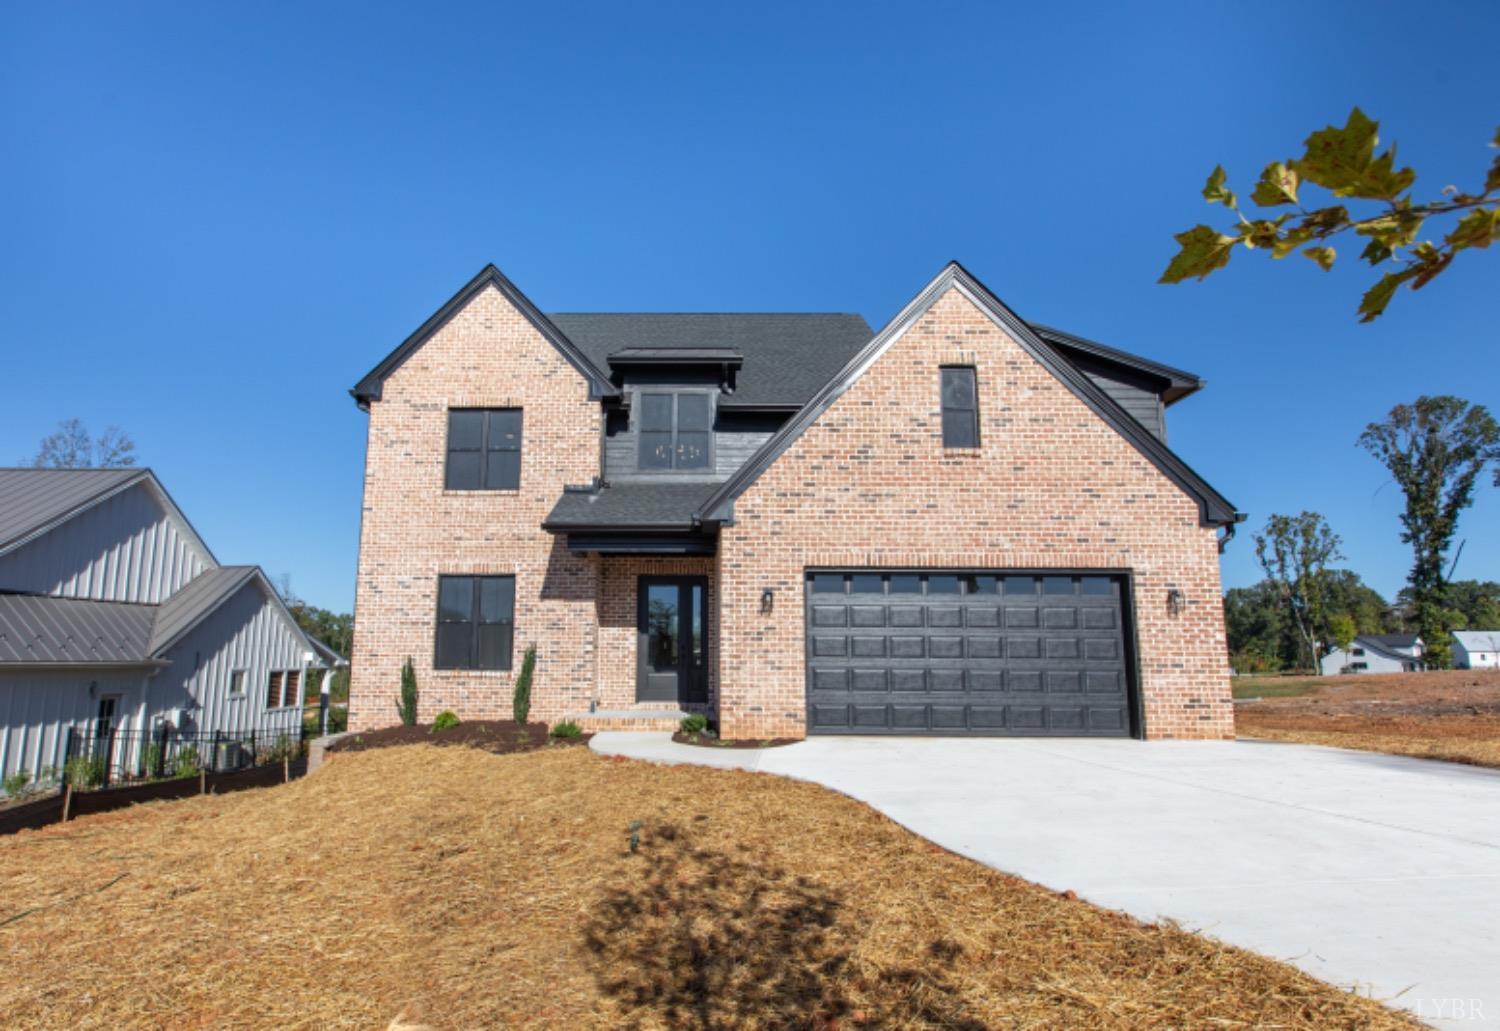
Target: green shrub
{"points": [[83, 771], [567, 730], [697, 723], [520, 704], [15, 784], [445, 720], [186, 762], [150, 759], [406, 708], [284, 748]]}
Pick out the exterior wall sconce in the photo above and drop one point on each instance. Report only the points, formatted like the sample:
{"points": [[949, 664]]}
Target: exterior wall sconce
{"points": [[767, 601], [1175, 601]]}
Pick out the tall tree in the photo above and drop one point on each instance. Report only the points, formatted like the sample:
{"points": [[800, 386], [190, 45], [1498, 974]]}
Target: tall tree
{"points": [[1295, 551], [73, 447], [1435, 449], [1343, 161]]}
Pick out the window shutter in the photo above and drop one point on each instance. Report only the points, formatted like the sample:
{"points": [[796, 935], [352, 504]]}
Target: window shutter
{"points": [[273, 690]]}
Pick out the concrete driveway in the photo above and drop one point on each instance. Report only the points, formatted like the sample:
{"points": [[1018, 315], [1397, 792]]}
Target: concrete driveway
{"points": [[1369, 871]]}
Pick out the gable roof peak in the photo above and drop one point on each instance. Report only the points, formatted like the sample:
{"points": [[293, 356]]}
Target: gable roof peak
{"points": [[370, 387]]}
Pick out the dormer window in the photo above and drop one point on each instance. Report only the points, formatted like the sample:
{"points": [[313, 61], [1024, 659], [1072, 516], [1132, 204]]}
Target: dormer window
{"points": [[676, 431]]}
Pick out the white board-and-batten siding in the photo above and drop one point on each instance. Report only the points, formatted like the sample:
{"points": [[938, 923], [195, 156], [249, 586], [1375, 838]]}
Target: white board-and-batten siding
{"points": [[247, 632], [128, 547], [38, 706]]}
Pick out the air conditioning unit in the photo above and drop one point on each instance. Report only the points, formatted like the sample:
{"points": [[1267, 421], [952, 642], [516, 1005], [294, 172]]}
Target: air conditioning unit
{"points": [[230, 755]]}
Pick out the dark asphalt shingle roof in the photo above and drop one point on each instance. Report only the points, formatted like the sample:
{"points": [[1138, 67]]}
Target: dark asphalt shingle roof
{"points": [[787, 356], [32, 498], [1391, 640], [628, 505], [43, 629]]}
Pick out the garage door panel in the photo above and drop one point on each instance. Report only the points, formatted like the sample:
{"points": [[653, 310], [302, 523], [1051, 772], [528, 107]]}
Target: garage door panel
{"points": [[955, 654], [905, 615]]}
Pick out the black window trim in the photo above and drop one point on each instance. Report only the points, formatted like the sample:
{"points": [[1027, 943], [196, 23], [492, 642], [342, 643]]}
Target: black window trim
{"points": [[944, 408], [638, 406], [484, 447], [473, 623]]}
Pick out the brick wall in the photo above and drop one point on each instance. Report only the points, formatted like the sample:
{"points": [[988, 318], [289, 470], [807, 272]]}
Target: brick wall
{"points": [[487, 356], [1052, 485]]}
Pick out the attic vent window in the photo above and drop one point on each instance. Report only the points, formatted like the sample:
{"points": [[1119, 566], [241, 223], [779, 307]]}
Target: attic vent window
{"points": [[676, 431]]}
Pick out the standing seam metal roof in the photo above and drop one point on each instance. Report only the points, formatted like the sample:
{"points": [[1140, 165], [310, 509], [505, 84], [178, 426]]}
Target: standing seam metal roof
{"points": [[30, 499]]}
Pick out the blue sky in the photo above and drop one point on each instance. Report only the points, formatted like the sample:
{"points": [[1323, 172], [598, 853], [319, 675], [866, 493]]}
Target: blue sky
{"points": [[215, 219]]}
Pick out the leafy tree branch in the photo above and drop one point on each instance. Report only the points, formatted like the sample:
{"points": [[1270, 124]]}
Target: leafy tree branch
{"points": [[1344, 162]]}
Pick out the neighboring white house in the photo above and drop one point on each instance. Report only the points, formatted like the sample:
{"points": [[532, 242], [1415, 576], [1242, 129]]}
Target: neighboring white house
{"points": [[1476, 649], [115, 616], [1376, 653]]}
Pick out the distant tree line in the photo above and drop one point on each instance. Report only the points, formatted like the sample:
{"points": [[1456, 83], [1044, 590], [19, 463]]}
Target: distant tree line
{"points": [[1436, 449]]}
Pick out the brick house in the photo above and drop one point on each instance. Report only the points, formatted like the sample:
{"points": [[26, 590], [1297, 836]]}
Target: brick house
{"points": [[960, 524]]}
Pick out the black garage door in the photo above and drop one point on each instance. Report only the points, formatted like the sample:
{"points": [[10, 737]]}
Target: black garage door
{"points": [[967, 653]]}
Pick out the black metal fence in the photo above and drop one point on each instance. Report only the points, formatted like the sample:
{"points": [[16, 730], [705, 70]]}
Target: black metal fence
{"points": [[101, 757]]}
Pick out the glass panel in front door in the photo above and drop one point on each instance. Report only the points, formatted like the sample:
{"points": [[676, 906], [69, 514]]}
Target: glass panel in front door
{"points": [[661, 626], [696, 615]]}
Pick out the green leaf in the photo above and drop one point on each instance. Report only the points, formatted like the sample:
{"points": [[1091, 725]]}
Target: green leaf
{"points": [[1373, 304], [1398, 229], [1375, 252], [1278, 185], [1204, 250], [1344, 161], [1260, 233], [1476, 229], [1214, 191], [1322, 255]]}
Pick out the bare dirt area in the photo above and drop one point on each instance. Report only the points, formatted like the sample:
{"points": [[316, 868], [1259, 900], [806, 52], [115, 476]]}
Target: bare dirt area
{"points": [[452, 888], [1447, 714]]}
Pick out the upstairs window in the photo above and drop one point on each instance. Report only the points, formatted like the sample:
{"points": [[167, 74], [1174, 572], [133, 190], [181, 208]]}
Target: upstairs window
{"points": [[274, 681], [960, 400], [676, 431], [484, 449], [475, 622]]}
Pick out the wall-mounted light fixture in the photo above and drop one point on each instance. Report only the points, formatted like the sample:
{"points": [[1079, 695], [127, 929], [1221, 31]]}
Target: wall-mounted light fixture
{"points": [[767, 600], [1175, 601]]}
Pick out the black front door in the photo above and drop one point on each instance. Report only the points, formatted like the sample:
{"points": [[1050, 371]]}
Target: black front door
{"points": [[672, 653]]}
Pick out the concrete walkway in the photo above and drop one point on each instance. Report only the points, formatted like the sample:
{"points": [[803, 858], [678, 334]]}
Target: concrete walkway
{"points": [[1370, 871]]}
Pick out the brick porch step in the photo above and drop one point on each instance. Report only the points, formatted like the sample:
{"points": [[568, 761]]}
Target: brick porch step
{"points": [[627, 719]]}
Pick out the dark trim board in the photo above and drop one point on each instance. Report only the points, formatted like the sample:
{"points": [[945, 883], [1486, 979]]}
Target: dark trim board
{"points": [[1089, 703], [605, 542]]}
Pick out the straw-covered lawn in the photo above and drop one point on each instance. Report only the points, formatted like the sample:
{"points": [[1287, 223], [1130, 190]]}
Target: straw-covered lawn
{"points": [[459, 889]]}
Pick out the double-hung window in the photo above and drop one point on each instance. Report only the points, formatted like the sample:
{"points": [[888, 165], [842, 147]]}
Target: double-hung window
{"points": [[484, 449], [676, 431], [960, 400], [475, 622]]}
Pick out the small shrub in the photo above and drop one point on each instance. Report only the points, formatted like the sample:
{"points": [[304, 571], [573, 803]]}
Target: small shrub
{"points": [[150, 760], [187, 762], [521, 702], [406, 708], [82, 771], [284, 748], [697, 723], [567, 730], [446, 720], [15, 784]]}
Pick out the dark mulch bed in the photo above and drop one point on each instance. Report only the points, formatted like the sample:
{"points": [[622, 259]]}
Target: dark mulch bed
{"points": [[706, 739], [499, 736]]}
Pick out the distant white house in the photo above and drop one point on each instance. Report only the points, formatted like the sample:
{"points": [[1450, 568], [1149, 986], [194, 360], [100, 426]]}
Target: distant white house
{"points": [[1476, 649], [116, 619], [1376, 653]]}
